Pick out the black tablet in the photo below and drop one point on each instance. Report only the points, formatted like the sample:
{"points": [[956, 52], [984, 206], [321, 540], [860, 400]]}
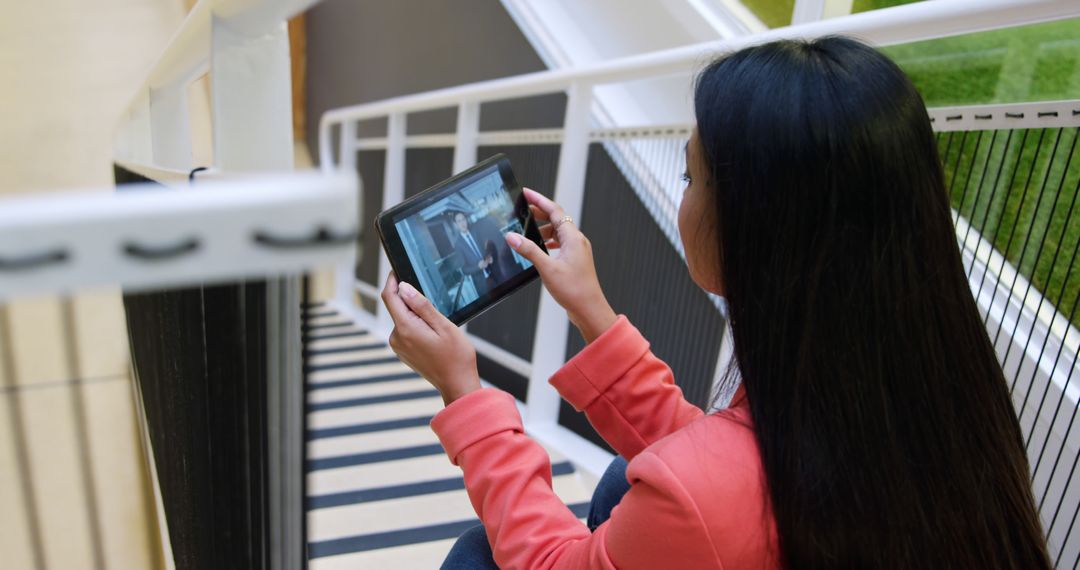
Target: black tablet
{"points": [[449, 241]]}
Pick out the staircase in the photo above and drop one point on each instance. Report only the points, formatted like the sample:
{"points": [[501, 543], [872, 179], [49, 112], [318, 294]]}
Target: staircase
{"points": [[380, 491]]}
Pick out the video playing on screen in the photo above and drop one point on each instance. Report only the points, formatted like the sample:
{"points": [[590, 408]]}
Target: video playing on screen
{"points": [[458, 247]]}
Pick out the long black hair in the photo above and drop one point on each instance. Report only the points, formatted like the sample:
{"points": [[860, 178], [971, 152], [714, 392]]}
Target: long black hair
{"points": [[885, 425]]}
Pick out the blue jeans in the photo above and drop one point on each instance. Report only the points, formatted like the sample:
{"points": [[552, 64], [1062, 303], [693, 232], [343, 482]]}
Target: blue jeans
{"points": [[472, 551]]}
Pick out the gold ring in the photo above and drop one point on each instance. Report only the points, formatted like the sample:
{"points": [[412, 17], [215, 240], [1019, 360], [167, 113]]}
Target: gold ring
{"points": [[565, 220]]}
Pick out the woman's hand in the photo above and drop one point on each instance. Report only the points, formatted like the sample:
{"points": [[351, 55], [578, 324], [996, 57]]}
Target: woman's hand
{"points": [[570, 274], [429, 343]]}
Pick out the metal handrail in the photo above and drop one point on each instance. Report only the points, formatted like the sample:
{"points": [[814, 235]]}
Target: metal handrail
{"points": [[889, 26], [149, 236]]}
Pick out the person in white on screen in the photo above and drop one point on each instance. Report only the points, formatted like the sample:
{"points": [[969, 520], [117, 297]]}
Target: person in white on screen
{"points": [[475, 263]]}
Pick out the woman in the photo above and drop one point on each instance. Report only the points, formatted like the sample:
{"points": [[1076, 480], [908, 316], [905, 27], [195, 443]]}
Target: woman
{"points": [[872, 428]]}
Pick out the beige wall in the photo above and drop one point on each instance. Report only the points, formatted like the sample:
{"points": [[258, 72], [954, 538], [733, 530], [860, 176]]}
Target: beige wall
{"points": [[62, 395], [68, 69]]}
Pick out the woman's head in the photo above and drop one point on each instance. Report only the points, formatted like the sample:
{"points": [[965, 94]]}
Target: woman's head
{"points": [[817, 206], [795, 140]]}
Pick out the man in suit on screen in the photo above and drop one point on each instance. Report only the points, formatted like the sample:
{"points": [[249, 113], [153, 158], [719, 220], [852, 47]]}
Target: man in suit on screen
{"points": [[470, 241]]}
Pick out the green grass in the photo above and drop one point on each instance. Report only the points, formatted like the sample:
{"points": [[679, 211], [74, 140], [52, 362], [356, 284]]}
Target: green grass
{"points": [[1018, 195], [1038, 235], [1030, 63]]}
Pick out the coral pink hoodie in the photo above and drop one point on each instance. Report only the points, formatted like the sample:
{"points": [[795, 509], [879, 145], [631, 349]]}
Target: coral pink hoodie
{"points": [[698, 493]]}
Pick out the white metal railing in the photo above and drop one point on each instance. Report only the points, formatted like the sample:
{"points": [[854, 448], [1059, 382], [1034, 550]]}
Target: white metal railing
{"points": [[660, 196], [244, 45], [909, 23], [901, 24], [1006, 116], [149, 237], [248, 215]]}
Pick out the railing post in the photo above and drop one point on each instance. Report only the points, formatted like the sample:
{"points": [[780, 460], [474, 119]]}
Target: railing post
{"points": [[252, 99], [468, 129], [170, 130], [345, 274], [252, 110], [393, 192], [807, 11], [134, 141], [552, 324], [347, 145]]}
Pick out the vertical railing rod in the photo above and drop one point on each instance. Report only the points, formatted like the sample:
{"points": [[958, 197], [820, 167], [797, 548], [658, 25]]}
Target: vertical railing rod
{"points": [[1034, 265], [393, 192], [956, 165], [465, 143], [1044, 295], [990, 200], [967, 182], [468, 129], [1053, 420], [997, 230], [1072, 521], [549, 342], [978, 194], [1012, 236]]}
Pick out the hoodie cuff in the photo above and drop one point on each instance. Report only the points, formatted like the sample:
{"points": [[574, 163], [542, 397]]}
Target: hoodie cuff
{"points": [[474, 417], [600, 364]]}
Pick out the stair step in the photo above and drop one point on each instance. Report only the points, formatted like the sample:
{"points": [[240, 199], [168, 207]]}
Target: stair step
{"points": [[381, 491]]}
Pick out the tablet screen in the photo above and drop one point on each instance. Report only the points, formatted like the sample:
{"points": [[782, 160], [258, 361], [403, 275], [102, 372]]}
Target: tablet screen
{"points": [[457, 247]]}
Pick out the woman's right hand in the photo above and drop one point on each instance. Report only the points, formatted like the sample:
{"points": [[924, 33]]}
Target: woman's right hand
{"points": [[569, 274]]}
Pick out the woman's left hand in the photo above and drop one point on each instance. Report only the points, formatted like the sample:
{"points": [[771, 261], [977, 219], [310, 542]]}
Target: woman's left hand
{"points": [[429, 343]]}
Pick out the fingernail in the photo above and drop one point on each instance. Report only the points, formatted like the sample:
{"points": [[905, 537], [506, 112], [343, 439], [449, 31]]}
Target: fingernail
{"points": [[407, 291], [514, 239]]}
